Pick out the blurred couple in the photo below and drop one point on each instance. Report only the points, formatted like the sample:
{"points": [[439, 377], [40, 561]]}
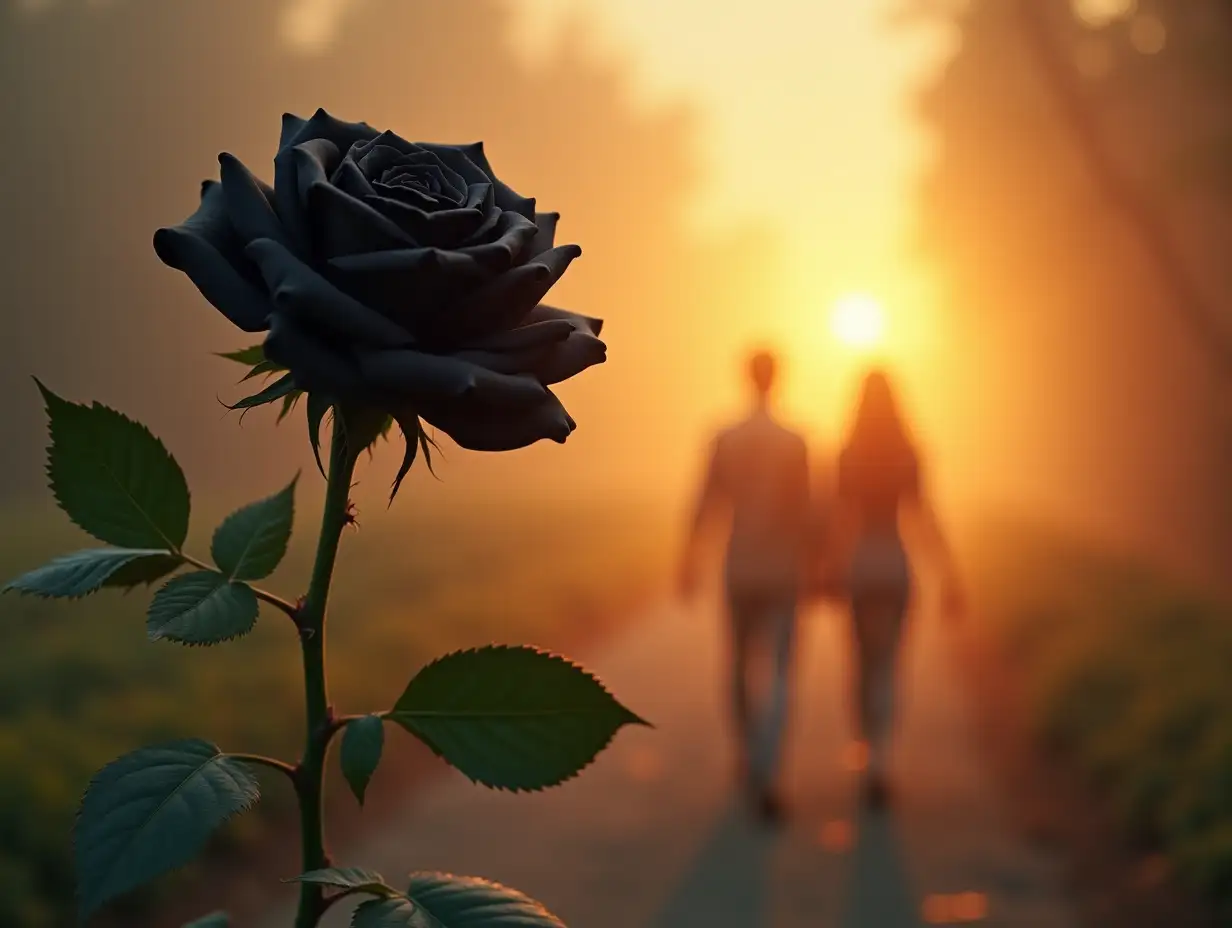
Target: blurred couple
{"points": [[793, 535]]}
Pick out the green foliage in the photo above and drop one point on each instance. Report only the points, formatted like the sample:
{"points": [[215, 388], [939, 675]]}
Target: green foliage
{"points": [[1127, 679], [84, 572], [202, 607], [348, 879], [79, 688], [362, 743], [317, 406], [150, 812], [514, 718], [361, 428], [113, 478], [467, 902], [264, 367], [411, 432], [510, 717], [250, 356], [288, 404], [252, 541], [280, 388], [397, 912]]}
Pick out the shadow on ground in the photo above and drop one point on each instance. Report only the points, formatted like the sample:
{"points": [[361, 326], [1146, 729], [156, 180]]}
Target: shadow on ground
{"points": [[878, 890], [728, 884], [729, 881]]}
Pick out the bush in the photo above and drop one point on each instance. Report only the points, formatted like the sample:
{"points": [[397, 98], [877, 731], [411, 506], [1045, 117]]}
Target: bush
{"points": [[1126, 679]]}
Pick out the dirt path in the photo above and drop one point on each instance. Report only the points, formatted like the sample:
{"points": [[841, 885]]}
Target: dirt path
{"points": [[649, 837]]}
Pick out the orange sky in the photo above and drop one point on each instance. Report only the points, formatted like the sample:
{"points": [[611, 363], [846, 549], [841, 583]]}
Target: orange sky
{"points": [[805, 126], [806, 120]]}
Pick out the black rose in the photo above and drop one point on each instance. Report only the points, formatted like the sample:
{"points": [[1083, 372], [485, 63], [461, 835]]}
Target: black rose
{"points": [[397, 276]]}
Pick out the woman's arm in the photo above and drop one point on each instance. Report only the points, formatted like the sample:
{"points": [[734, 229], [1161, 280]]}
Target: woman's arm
{"points": [[922, 525]]}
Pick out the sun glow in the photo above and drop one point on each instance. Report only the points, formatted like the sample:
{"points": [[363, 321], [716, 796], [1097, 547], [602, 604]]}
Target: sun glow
{"points": [[857, 320]]}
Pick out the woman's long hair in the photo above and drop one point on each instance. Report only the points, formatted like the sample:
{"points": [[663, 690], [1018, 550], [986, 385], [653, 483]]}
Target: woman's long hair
{"points": [[878, 438]]}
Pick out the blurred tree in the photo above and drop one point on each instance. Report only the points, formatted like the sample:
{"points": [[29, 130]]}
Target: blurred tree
{"points": [[1121, 409]]}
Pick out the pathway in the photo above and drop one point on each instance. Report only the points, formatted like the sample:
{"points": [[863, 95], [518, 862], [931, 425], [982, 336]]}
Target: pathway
{"points": [[649, 836]]}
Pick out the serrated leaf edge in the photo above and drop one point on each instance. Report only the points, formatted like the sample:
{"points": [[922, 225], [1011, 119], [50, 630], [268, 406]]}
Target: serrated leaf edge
{"points": [[632, 718], [250, 799], [137, 554], [48, 397], [215, 641]]}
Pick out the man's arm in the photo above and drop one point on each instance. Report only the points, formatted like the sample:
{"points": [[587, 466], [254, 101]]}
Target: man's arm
{"points": [[709, 502]]}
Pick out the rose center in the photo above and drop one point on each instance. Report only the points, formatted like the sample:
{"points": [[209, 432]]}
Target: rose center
{"points": [[408, 176]]}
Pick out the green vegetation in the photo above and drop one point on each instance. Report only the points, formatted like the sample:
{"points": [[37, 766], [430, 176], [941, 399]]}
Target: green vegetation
{"points": [[1127, 677], [80, 683]]}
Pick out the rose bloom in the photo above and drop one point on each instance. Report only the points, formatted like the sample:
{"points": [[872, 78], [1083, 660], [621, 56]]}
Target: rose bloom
{"points": [[398, 276]]}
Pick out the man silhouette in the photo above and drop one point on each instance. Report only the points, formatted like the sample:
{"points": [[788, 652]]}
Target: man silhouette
{"points": [[758, 474]]}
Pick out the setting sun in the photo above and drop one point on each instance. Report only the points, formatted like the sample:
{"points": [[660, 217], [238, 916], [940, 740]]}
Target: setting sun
{"points": [[857, 320]]}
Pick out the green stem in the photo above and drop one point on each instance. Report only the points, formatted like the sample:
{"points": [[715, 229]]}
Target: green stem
{"points": [[261, 760], [311, 620]]}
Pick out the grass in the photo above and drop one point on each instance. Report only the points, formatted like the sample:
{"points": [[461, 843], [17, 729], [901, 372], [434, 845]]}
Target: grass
{"points": [[80, 684], [1127, 677]]}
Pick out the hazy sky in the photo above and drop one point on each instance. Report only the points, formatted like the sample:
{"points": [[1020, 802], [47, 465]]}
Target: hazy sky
{"points": [[804, 107], [804, 125]]}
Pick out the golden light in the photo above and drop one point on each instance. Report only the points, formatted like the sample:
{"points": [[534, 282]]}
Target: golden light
{"points": [[858, 320]]}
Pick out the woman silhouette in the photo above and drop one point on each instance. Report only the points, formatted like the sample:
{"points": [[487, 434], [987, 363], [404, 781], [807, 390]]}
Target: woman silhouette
{"points": [[879, 490]]}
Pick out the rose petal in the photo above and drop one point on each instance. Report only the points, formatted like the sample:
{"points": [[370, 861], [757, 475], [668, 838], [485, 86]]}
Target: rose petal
{"points": [[474, 154], [413, 286], [343, 225], [455, 156], [388, 139], [479, 429], [323, 126], [481, 196], [308, 298], [249, 202], [386, 152], [545, 238], [553, 349], [535, 335], [506, 362], [491, 216], [413, 375], [314, 364], [447, 181], [206, 248], [443, 228], [514, 232], [350, 179], [544, 311], [505, 302], [296, 170], [410, 196], [569, 358]]}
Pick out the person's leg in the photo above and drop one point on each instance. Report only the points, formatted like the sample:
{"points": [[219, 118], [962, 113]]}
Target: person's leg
{"points": [[739, 625], [864, 622], [780, 628], [778, 636], [878, 622]]}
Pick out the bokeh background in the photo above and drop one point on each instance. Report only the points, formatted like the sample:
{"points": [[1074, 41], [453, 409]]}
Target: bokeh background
{"points": [[732, 170]]}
